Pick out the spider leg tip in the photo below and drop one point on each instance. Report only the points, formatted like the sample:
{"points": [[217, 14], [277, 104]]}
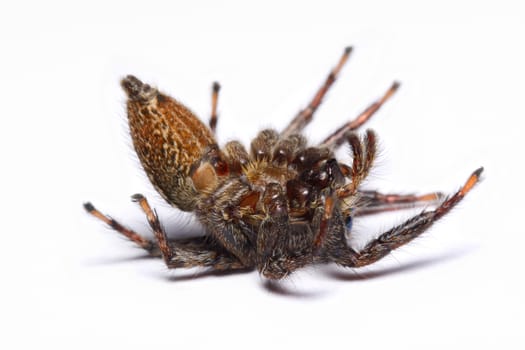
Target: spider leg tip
{"points": [[472, 180], [478, 171], [89, 207], [137, 197]]}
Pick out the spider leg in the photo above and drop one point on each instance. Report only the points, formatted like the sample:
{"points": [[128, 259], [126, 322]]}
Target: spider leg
{"points": [[281, 246], [364, 153], [402, 234], [158, 231], [214, 100], [114, 224], [305, 116], [199, 251], [178, 255], [337, 138], [373, 202], [188, 252], [323, 225]]}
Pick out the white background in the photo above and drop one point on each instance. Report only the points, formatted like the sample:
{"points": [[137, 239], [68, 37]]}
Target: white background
{"points": [[70, 282]]}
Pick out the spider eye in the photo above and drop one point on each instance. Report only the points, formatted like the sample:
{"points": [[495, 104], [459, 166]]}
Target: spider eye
{"points": [[348, 223]]}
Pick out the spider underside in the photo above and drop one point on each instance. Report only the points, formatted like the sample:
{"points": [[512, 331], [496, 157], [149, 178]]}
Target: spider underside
{"points": [[278, 207]]}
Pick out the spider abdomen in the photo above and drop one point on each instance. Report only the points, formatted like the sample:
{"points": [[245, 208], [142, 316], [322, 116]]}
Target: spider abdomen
{"points": [[168, 139]]}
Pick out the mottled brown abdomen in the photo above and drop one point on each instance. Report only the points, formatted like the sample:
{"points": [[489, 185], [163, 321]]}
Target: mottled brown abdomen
{"points": [[168, 139]]}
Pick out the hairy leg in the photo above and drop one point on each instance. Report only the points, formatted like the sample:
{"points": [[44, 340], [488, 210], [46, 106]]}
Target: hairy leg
{"points": [[305, 116], [337, 138], [214, 100], [199, 251], [373, 202], [402, 234], [282, 247], [323, 224], [188, 252], [364, 152], [144, 243]]}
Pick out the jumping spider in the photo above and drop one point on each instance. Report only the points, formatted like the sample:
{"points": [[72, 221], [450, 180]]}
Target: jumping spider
{"points": [[278, 207]]}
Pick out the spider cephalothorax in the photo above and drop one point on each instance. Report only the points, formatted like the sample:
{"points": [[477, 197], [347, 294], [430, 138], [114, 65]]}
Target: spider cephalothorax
{"points": [[276, 207]]}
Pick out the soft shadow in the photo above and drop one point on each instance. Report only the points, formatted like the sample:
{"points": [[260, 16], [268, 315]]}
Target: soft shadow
{"points": [[355, 275], [119, 260], [205, 274], [278, 288]]}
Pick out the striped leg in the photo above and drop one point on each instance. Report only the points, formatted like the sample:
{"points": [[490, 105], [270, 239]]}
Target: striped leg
{"points": [[402, 234], [305, 116], [373, 202], [189, 252], [214, 101], [337, 138]]}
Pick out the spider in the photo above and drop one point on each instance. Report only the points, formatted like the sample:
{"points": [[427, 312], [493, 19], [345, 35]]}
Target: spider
{"points": [[277, 207]]}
